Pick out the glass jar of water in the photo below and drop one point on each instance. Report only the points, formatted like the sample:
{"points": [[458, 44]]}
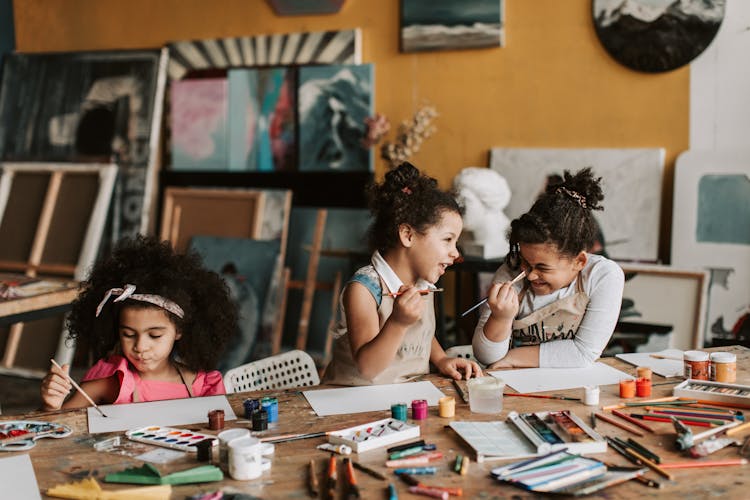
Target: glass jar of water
{"points": [[486, 394]]}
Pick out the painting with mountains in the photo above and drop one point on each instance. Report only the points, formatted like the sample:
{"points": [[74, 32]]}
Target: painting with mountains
{"points": [[657, 35]]}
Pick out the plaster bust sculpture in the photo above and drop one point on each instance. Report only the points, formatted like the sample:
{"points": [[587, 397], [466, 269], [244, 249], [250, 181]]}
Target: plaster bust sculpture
{"points": [[484, 194]]}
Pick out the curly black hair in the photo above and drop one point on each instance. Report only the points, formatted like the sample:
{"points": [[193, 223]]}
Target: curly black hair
{"points": [[154, 268], [406, 196], [562, 215]]}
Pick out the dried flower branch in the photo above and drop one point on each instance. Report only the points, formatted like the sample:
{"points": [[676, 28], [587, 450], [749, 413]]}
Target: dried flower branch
{"points": [[409, 137]]}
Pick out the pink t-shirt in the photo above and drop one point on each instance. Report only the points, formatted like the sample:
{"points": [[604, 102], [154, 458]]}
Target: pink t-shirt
{"points": [[205, 384]]}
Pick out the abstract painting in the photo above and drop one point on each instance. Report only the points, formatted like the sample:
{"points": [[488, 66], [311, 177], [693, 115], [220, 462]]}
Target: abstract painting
{"points": [[656, 35], [631, 181], [318, 47], [199, 124], [90, 107], [333, 104], [710, 224], [262, 126], [451, 24]]}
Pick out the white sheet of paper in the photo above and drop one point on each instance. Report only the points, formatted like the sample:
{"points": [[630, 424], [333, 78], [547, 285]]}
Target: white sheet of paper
{"points": [[171, 412], [18, 478], [370, 397], [554, 379], [663, 367]]}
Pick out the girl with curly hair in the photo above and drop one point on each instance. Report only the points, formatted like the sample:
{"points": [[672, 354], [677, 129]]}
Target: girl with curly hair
{"points": [[565, 310], [156, 320], [386, 333]]}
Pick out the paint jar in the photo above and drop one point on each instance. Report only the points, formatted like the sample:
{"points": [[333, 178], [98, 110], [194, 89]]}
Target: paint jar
{"points": [[447, 407], [398, 411], [419, 409], [245, 460], [226, 437], [260, 420], [627, 388], [486, 394], [724, 367], [591, 395], [643, 372], [203, 450], [271, 405], [251, 405], [696, 365], [643, 387], [216, 420]]}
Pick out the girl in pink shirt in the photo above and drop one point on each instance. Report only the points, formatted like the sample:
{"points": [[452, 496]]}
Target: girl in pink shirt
{"points": [[157, 320]]}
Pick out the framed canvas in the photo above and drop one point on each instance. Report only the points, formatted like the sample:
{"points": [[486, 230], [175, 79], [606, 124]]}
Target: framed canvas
{"points": [[281, 49], [333, 104], [631, 181], [451, 24], [667, 296], [656, 35], [90, 107], [710, 228], [188, 212], [52, 219]]}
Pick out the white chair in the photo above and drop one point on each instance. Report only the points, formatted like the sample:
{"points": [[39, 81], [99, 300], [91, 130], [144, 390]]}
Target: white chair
{"points": [[290, 369], [462, 351]]}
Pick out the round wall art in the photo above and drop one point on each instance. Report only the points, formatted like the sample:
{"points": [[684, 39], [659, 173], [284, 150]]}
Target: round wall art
{"points": [[656, 35]]}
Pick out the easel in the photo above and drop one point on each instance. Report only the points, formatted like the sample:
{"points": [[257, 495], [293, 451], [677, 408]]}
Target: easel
{"points": [[46, 224]]}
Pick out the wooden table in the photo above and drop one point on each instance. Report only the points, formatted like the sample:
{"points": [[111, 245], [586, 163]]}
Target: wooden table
{"points": [[65, 460]]}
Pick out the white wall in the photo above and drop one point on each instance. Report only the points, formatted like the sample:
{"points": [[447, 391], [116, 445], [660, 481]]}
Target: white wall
{"points": [[720, 86]]}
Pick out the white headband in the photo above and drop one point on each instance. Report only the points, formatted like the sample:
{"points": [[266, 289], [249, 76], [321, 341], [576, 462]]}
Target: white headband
{"points": [[127, 293]]}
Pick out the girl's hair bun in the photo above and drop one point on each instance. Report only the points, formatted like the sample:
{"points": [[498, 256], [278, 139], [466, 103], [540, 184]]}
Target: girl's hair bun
{"points": [[582, 188]]}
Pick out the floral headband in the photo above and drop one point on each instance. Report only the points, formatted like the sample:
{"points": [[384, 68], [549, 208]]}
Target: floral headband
{"points": [[127, 293]]}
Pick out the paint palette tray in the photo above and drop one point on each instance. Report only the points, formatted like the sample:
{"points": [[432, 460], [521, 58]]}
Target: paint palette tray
{"points": [[19, 435], [374, 434], [704, 390], [169, 437]]}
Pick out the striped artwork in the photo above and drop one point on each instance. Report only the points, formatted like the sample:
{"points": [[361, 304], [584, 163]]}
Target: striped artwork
{"points": [[321, 47]]}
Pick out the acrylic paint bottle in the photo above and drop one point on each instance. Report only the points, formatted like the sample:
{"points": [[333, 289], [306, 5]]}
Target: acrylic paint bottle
{"points": [[724, 367], [696, 365]]}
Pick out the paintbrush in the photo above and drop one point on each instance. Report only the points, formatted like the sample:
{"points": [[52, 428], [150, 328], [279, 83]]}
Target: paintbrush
{"points": [[421, 292], [541, 396], [518, 278], [78, 388], [661, 356]]}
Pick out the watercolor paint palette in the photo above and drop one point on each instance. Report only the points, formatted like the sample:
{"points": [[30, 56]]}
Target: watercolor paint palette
{"points": [[705, 390], [19, 435], [374, 434], [169, 437]]}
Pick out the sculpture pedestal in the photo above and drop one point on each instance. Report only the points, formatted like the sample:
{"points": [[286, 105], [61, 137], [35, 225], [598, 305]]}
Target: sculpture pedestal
{"points": [[485, 250]]}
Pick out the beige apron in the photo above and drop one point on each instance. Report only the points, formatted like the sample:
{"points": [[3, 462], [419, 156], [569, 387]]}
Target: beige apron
{"points": [[412, 358], [555, 321], [137, 396]]}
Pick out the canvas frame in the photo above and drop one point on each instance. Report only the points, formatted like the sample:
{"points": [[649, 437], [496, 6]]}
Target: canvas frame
{"points": [[187, 212], [670, 295], [64, 214]]}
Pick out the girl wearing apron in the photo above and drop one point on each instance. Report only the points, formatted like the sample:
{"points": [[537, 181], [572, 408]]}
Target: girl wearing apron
{"points": [[564, 312]]}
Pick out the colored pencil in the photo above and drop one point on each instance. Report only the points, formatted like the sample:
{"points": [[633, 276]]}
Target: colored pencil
{"points": [[78, 388], [283, 438], [367, 470], [720, 403], [654, 418], [632, 443], [708, 463], [392, 494], [622, 451], [312, 479], [691, 414], [619, 424], [520, 276], [641, 479], [541, 396], [640, 403], [651, 465], [632, 420], [421, 292], [686, 417]]}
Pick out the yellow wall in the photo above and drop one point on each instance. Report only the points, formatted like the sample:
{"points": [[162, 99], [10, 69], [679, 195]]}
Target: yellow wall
{"points": [[552, 85]]}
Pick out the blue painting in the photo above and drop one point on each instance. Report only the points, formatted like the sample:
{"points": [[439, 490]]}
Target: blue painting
{"points": [[451, 24], [262, 128], [723, 209], [333, 104]]}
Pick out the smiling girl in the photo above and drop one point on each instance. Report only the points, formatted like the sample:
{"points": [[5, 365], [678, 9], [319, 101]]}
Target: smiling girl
{"points": [[386, 333], [158, 321], [564, 312]]}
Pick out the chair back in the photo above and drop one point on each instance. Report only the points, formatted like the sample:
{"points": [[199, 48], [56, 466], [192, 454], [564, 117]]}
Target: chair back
{"points": [[289, 369]]}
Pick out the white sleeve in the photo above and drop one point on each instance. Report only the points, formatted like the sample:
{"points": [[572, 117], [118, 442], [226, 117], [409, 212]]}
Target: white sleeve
{"points": [[485, 350], [605, 298]]}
